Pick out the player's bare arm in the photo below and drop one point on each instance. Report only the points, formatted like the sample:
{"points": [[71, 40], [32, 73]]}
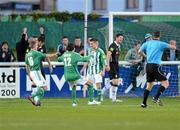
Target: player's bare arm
{"points": [[84, 67], [50, 65], [108, 61]]}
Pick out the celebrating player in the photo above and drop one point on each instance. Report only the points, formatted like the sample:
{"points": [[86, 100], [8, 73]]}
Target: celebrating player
{"points": [[154, 50], [70, 60], [96, 67], [33, 67]]}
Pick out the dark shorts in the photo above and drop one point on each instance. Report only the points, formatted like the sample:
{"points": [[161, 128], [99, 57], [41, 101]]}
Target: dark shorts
{"points": [[154, 73], [43, 73], [114, 71]]}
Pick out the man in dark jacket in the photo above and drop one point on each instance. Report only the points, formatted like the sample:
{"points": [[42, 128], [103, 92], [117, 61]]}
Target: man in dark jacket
{"points": [[6, 54], [22, 46], [171, 55]]}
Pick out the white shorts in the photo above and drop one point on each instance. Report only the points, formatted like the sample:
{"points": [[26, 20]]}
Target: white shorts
{"points": [[81, 81], [38, 79], [97, 78]]}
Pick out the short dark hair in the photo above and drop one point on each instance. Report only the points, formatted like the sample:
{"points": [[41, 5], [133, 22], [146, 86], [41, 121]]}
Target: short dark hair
{"points": [[137, 43], [4, 42], [77, 37], [41, 39], [119, 34], [93, 40], [70, 47], [157, 34], [64, 37]]}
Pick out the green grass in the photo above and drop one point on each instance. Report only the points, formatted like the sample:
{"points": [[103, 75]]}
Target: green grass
{"points": [[58, 114]]}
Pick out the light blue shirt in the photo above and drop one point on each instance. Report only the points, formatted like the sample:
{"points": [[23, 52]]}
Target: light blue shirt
{"points": [[154, 50]]}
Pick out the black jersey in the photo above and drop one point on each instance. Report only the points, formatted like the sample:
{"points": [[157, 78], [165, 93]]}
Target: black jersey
{"points": [[42, 49], [115, 50]]}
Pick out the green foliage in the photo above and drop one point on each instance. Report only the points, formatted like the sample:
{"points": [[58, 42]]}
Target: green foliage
{"points": [[23, 17], [54, 16], [60, 16], [14, 16], [37, 16], [93, 16], [78, 16]]}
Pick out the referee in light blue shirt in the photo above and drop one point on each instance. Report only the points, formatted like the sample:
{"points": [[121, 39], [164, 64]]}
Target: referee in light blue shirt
{"points": [[154, 50]]}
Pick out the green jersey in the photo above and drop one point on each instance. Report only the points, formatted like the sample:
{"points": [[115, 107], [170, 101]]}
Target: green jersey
{"points": [[97, 61], [70, 60], [34, 59]]}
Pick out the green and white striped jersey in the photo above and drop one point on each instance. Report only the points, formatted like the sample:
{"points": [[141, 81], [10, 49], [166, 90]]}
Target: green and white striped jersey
{"points": [[97, 61]]}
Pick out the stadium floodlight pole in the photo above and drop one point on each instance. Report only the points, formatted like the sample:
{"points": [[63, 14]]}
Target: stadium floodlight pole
{"points": [[111, 14], [110, 28], [85, 24]]}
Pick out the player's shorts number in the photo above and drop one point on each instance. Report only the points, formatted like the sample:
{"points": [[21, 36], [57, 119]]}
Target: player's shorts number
{"points": [[8, 92]]}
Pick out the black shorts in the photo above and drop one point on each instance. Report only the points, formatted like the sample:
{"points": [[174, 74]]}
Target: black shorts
{"points": [[114, 71], [154, 73]]}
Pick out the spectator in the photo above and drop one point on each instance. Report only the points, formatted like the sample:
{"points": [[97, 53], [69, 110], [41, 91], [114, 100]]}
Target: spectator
{"points": [[22, 46], [135, 58], [6, 54], [79, 48], [171, 55], [42, 34], [41, 41], [62, 46]]}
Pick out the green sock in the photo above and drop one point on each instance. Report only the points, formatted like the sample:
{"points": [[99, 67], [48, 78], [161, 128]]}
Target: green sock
{"points": [[91, 93], [73, 93], [40, 92], [99, 94]]}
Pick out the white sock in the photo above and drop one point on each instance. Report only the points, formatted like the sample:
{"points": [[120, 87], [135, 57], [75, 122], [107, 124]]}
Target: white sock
{"points": [[106, 87], [114, 92], [36, 99], [34, 90]]}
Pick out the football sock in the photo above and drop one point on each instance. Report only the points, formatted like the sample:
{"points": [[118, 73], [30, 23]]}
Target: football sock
{"points": [[159, 92], [146, 94], [34, 90], [39, 92], [106, 87], [114, 92], [99, 94], [37, 99], [91, 93], [73, 94]]}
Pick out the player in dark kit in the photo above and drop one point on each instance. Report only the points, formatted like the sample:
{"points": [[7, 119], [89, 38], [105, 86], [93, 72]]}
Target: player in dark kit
{"points": [[154, 50], [113, 66]]}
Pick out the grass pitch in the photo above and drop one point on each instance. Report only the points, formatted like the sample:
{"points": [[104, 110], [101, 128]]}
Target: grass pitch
{"points": [[58, 114]]}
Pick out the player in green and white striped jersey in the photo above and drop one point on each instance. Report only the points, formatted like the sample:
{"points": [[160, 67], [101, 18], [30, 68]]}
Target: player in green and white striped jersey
{"points": [[96, 67]]}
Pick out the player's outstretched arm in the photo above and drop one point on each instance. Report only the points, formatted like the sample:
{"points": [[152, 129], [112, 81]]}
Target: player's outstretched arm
{"points": [[83, 68], [52, 55], [50, 65]]}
